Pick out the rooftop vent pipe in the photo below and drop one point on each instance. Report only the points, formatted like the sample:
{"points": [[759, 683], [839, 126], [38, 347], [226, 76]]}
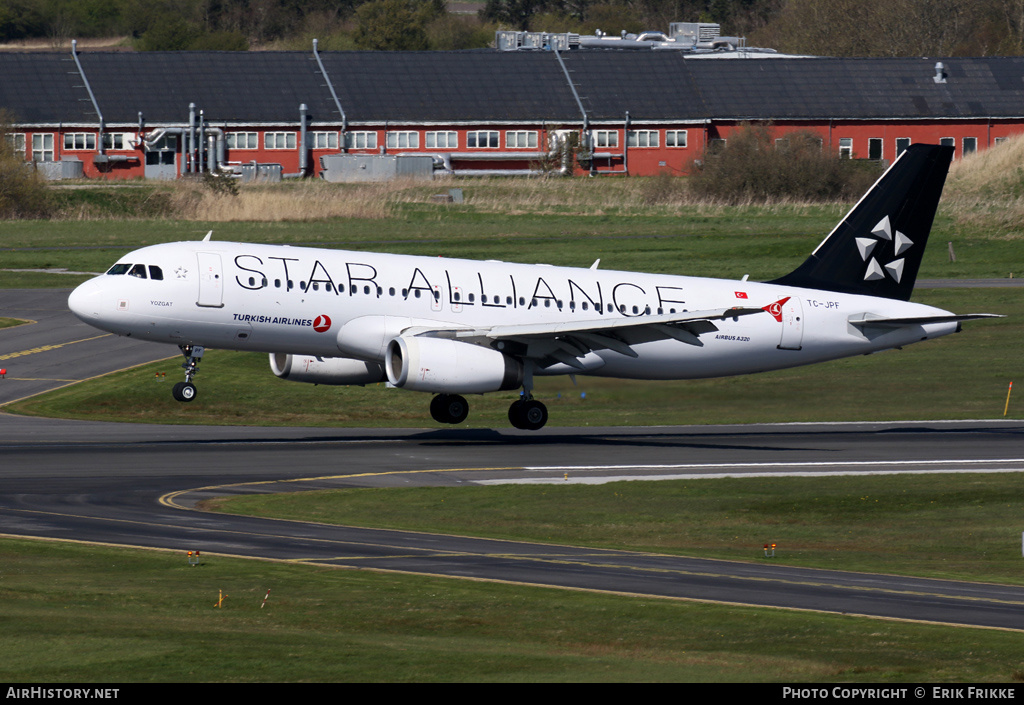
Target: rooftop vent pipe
{"points": [[88, 89], [334, 95]]}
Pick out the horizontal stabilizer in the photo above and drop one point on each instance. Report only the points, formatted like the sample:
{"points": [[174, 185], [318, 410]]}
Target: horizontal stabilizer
{"points": [[881, 322]]}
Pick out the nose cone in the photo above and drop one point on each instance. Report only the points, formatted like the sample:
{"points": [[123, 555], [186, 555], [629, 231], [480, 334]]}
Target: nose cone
{"points": [[85, 301]]}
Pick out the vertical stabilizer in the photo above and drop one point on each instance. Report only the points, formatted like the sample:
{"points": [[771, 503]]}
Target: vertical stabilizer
{"points": [[876, 249]]}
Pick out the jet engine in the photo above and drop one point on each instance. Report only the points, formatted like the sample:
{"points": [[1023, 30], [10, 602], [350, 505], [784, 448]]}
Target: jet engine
{"points": [[325, 370], [425, 364]]}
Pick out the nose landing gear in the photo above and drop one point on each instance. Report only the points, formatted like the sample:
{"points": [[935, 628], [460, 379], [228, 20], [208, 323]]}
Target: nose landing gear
{"points": [[186, 391]]}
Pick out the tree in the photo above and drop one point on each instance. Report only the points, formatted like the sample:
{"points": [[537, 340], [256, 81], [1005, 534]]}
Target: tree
{"points": [[514, 13], [391, 25]]}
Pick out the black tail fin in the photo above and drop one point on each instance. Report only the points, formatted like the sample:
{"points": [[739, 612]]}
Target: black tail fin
{"points": [[876, 250]]}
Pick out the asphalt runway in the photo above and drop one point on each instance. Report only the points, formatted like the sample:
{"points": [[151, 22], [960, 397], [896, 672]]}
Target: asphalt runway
{"points": [[138, 485], [56, 349]]}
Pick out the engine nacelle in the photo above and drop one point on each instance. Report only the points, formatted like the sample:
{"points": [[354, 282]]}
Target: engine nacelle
{"points": [[325, 370], [447, 366]]}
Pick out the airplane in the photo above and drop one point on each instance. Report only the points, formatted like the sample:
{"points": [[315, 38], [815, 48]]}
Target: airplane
{"points": [[452, 327]]}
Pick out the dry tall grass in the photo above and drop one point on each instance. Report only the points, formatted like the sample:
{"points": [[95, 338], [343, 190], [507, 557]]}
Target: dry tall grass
{"points": [[294, 201], [986, 190], [318, 200]]}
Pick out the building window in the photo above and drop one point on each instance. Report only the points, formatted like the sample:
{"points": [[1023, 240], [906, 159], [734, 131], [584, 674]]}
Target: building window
{"points": [[360, 140], [80, 141], [642, 138], [520, 139], [606, 139], [243, 140], [403, 140], [846, 148], [999, 140], [901, 145], [117, 140], [279, 140], [970, 145], [16, 140], [323, 140], [675, 138], [482, 139], [42, 147], [442, 140], [875, 148]]}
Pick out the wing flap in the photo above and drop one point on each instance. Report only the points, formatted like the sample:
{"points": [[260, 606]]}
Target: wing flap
{"points": [[689, 318], [567, 342]]}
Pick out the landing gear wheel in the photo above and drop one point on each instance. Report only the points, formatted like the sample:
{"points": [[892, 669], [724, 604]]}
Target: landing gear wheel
{"points": [[449, 408], [515, 413], [184, 391], [528, 414]]}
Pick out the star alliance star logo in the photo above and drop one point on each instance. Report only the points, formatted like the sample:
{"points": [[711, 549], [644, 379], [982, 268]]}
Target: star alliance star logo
{"points": [[181, 273], [900, 243]]}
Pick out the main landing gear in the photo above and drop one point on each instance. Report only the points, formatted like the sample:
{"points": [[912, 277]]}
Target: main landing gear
{"points": [[449, 408], [526, 413], [186, 391]]}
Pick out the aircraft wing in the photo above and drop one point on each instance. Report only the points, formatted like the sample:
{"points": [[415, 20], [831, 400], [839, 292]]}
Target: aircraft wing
{"points": [[568, 341]]}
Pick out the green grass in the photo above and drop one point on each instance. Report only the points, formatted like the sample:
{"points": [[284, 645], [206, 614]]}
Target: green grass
{"points": [[962, 527], [97, 614], [915, 383]]}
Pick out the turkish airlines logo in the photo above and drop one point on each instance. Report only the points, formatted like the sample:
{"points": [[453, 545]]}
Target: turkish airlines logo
{"points": [[775, 309], [322, 324]]}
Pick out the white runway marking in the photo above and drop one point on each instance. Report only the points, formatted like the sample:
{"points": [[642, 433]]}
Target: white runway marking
{"points": [[590, 474]]}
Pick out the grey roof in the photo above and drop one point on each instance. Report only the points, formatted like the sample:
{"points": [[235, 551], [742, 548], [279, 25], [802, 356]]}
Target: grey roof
{"points": [[43, 88], [862, 88], [501, 87], [450, 86]]}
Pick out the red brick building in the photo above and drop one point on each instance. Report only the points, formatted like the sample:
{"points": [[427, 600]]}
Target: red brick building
{"points": [[163, 114]]}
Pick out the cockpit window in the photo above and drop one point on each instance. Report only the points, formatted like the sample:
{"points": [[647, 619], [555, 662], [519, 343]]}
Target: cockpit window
{"points": [[138, 270], [155, 272], [119, 269]]}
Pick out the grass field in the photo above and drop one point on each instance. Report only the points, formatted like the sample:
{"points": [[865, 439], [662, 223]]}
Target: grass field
{"points": [[112, 615]]}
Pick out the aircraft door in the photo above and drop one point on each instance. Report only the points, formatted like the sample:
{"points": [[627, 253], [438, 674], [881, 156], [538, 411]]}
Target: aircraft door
{"points": [[211, 280], [792, 324]]}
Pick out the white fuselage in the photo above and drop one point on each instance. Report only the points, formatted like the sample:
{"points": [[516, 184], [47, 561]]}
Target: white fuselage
{"points": [[336, 303]]}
